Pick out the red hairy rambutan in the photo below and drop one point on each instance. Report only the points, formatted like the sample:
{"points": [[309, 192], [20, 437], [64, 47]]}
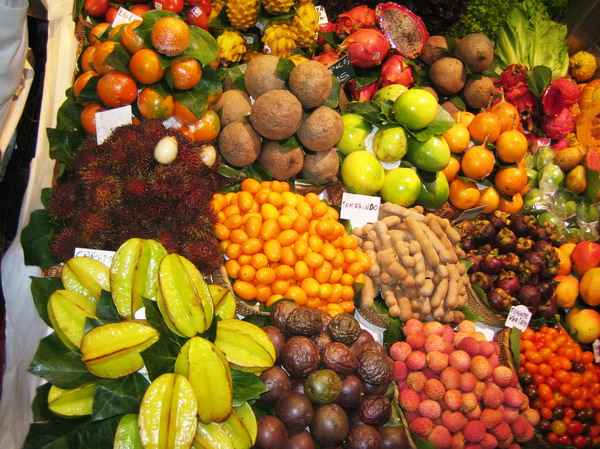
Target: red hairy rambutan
{"points": [[105, 194], [64, 202], [64, 243], [206, 254], [135, 186]]}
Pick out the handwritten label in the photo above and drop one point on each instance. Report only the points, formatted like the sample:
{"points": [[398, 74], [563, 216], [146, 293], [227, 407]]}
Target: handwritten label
{"points": [[469, 214], [158, 5], [107, 121], [343, 69], [360, 209], [596, 348], [518, 317], [124, 16], [105, 257], [322, 14]]}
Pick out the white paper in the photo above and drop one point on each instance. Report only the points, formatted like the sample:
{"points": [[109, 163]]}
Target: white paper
{"points": [[100, 255], [360, 209], [107, 121], [322, 15], [518, 317], [124, 16]]}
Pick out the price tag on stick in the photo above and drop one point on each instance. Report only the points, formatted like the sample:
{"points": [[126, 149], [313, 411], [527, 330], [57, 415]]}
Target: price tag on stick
{"points": [[518, 317], [100, 255]]}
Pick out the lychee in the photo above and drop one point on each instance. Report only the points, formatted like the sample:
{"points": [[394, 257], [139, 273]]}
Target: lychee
{"points": [[451, 378], [469, 345], [468, 381], [508, 443], [440, 437], [487, 348], [502, 431], [421, 426], [412, 326], [513, 397], [402, 385], [416, 341], [400, 370], [466, 326], [453, 399], [474, 414], [434, 389], [416, 380], [489, 442], [454, 421], [522, 429], [480, 387], [481, 367], [409, 400], [510, 414], [493, 397], [490, 418], [437, 360], [474, 431], [459, 336], [460, 360], [433, 328], [532, 416], [502, 376], [429, 374], [416, 360], [448, 334], [458, 441], [434, 343], [470, 401], [430, 409], [494, 360], [400, 350]]}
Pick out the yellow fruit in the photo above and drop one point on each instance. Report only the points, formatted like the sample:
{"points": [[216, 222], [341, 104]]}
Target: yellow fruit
{"points": [[582, 66], [232, 46], [72, 402], [242, 14], [279, 40], [277, 6], [306, 24]]}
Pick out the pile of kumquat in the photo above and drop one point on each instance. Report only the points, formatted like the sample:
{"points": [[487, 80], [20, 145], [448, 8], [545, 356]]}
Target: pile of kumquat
{"points": [[563, 384], [281, 244]]}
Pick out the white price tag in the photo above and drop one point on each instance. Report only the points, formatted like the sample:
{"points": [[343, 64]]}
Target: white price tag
{"points": [[158, 5], [487, 330], [518, 317], [124, 16], [322, 14], [249, 39], [596, 348], [100, 255], [469, 214], [107, 121], [360, 209]]}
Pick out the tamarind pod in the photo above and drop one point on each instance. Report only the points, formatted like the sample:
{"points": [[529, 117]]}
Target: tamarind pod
{"points": [[414, 247], [394, 310], [452, 295], [389, 260], [386, 278], [462, 268], [374, 270], [408, 261], [359, 232], [372, 236], [368, 245], [461, 301], [438, 313], [383, 234], [439, 294], [426, 307], [419, 263], [427, 248], [388, 295], [367, 294], [452, 233], [460, 253], [435, 224], [418, 209], [391, 221], [448, 316], [419, 279], [445, 252], [389, 208], [426, 289]]}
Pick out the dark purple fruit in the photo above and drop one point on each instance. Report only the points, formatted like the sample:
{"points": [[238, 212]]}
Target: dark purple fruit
{"points": [[375, 389], [474, 260], [499, 300], [322, 340], [485, 231], [344, 328], [546, 289], [482, 280], [468, 244], [373, 367], [499, 219], [352, 391], [529, 296], [271, 433], [532, 262], [276, 337], [339, 358], [300, 356], [300, 440], [506, 240], [523, 225], [510, 261], [295, 410], [363, 436], [330, 425], [277, 382], [393, 438], [375, 409], [548, 309], [524, 244], [490, 264], [281, 312], [508, 281]]}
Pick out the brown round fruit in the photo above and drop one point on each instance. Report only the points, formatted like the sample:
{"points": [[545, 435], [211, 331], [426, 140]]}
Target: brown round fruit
{"points": [[476, 51], [295, 410], [434, 49], [170, 36], [276, 114], [300, 440], [282, 162], [300, 356], [448, 75], [330, 425], [262, 76], [478, 92], [363, 436], [271, 433], [277, 382], [322, 129], [321, 167], [311, 82], [239, 144], [234, 104], [393, 438]]}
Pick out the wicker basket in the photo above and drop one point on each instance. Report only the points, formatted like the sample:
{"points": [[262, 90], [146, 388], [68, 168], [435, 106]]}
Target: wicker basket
{"points": [[488, 316]]}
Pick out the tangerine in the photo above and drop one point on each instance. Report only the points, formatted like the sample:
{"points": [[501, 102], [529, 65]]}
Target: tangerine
{"points": [[82, 81], [183, 114], [512, 206], [153, 105], [511, 145], [477, 162], [463, 117], [507, 113], [208, 127], [485, 127], [130, 39], [170, 36], [463, 194], [97, 31], [88, 117], [145, 67], [511, 180], [186, 73], [451, 169], [103, 50], [116, 89], [87, 58], [115, 32], [490, 198], [457, 138]]}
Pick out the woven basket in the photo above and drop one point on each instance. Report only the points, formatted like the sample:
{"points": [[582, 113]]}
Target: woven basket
{"points": [[488, 316], [403, 421]]}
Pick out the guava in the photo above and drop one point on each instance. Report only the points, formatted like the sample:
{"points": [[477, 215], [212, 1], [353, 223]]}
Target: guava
{"points": [[431, 155], [362, 173], [356, 130], [416, 108], [390, 143], [402, 186]]}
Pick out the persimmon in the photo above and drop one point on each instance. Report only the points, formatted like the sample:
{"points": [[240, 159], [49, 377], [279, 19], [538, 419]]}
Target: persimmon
{"points": [[186, 73], [170, 36], [116, 89], [145, 66]]}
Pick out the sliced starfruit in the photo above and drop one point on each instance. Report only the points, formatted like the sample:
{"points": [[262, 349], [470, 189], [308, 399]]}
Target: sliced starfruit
{"points": [[68, 310], [208, 370], [168, 413], [246, 346], [127, 435], [211, 436], [183, 297], [224, 301], [113, 350], [86, 276], [133, 274], [72, 402], [238, 432]]}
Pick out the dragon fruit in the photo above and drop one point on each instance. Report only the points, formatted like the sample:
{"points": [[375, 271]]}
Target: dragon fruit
{"points": [[562, 93], [366, 47], [512, 76], [558, 126], [360, 17], [403, 28], [327, 58], [329, 27], [396, 71], [363, 94]]}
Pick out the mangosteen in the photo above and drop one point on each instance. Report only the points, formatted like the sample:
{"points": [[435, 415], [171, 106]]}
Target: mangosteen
{"points": [[541, 233], [465, 227], [474, 260], [499, 300], [486, 248], [510, 261], [484, 231], [363, 436], [551, 263], [482, 280], [506, 240], [546, 289], [490, 264], [508, 281], [523, 225], [585, 415], [532, 262], [542, 246], [548, 309], [499, 219], [524, 244], [529, 295]]}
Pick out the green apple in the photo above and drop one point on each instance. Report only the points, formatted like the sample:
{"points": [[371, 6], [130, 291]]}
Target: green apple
{"points": [[362, 173], [354, 136], [416, 108], [389, 92], [434, 194], [431, 155], [401, 186], [390, 143]]}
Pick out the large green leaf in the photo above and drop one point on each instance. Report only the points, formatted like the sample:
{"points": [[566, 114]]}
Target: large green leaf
{"points": [[36, 239], [59, 365], [67, 117], [41, 289], [119, 396], [515, 346], [63, 144], [246, 386], [195, 99], [106, 310], [39, 405]]}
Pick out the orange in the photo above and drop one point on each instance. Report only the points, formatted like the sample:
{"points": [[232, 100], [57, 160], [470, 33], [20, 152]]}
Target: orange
{"points": [[102, 51], [590, 287], [567, 290], [507, 113], [477, 162], [208, 127], [463, 194], [130, 39], [457, 138], [153, 105], [97, 31], [565, 265], [115, 32], [145, 67], [463, 117], [568, 248], [116, 89], [88, 117], [170, 36], [82, 81], [485, 127], [489, 197], [186, 73], [87, 58], [451, 169], [511, 180], [511, 146], [183, 114], [512, 206]]}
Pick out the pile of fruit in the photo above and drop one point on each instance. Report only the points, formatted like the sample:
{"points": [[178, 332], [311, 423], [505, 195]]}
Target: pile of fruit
{"points": [[563, 384]]}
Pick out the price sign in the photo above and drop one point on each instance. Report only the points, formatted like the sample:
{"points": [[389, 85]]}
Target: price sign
{"points": [[343, 69], [107, 121], [322, 15], [469, 214], [124, 16], [105, 257], [596, 348], [518, 317], [360, 209]]}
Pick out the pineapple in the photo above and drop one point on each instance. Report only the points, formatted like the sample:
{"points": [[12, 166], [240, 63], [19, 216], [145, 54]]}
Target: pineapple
{"points": [[277, 6], [280, 38], [306, 24], [242, 14], [232, 46]]}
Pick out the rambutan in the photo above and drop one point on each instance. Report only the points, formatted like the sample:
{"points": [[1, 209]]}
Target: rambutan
{"points": [[135, 186], [64, 202], [64, 243], [206, 254], [105, 194], [92, 173]]}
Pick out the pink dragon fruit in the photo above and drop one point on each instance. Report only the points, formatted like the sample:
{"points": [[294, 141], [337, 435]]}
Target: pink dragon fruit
{"points": [[562, 93], [363, 94], [524, 100], [558, 126], [367, 47], [360, 17], [403, 28], [396, 71], [512, 76], [327, 58]]}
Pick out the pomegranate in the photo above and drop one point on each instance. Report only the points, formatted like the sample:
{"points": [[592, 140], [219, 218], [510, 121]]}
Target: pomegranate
{"points": [[367, 47], [360, 17], [396, 71], [403, 28]]}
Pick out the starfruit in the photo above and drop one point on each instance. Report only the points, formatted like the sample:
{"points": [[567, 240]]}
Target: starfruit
{"points": [[211, 436], [248, 418], [223, 300], [208, 370], [113, 350], [183, 297], [68, 310], [127, 435], [133, 274], [72, 402], [241, 430], [246, 346], [86, 276], [167, 418]]}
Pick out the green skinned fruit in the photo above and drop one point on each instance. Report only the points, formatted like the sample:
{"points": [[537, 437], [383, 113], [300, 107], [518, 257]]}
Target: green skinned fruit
{"points": [[68, 311], [72, 402], [168, 413], [208, 371], [211, 436], [246, 346], [240, 435], [127, 435], [183, 297], [133, 274], [113, 350], [223, 300], [86, 276]]}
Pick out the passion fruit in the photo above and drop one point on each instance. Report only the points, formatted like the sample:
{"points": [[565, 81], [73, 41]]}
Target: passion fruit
{"points": [[323, 386]]}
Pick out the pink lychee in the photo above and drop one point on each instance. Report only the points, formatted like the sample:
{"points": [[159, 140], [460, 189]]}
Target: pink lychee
{"points": [[489, 442], [421, 426], [493, 397], [474, 414], [468, 381], [409, 400], [434, 389], [458, 441], [510, 413], [416, 341], [466, 326], [502, 376], [474, 431], [513, 397], [400, 350], [451, 378], [454, 421], [491, 418], [416, 361], [448, 334], [470, 401], [469, 345], [440, 437], [460, 360], [521, 428], [412, 326], [434, 343], [480, 388], [532, 415], [502, 431], [433, 328], [400, 370], [453, 399], [430, 409], [481, 367], [437, 360], [416, 380]]}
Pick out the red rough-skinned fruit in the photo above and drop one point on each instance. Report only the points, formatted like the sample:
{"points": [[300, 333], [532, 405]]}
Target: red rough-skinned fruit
{"points": [[403, 28], [585, 255], [396, 71], [367, 47], [363, 94], [360, 17], [559, 126]]}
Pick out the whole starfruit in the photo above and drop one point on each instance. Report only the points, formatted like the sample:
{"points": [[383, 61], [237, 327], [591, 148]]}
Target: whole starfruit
{"points": [[127, 435], [68, 311], [72, 402], [133, 274], [208, 371], [86, 276], [246, 346], [113, 350], [223, 300], [183, 297], [241, 427], [167, 418]]}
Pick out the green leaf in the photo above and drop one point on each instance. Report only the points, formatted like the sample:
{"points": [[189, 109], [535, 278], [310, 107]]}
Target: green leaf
{"points": [[41, 289], [106, 310], [331, 38], [229, 172], [290, 142], [393, 333], [89, 93], [36, 239], [262, 320], [118, 58], [469, 315], [67, 117], [481, 294], [539, 78], [195, 99], [334, 96], [46, 195], [39, 405], [235, 74], [59, 365], [420, 443], [118, 396], [515, 346], [63, 144], [367, 110], [285, 67], [365, 77], [258, 172], [246, 386], [440, 124]]}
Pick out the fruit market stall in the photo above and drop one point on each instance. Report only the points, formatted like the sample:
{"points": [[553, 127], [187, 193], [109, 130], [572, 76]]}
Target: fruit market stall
{"points": [[289, 226]]}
